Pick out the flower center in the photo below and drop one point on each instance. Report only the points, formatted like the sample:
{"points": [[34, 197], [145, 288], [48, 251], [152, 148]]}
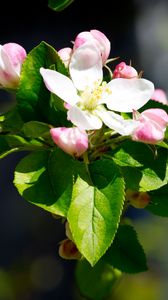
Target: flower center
{"points": [[91, 98]]}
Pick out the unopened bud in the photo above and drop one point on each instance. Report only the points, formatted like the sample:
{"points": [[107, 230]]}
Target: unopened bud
{"points": [[137, 199], [68, 250], [152, 126], [160, 96], [71, 140], [99, 40], [12, 56], [124, 71]]}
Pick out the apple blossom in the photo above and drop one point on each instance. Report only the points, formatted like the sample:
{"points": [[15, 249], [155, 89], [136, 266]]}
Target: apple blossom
{"points": [[71, 140], [160, 96], [124, 71], [65, 54], [12, 56], [99, 40], [86, 93], [152, 126]]}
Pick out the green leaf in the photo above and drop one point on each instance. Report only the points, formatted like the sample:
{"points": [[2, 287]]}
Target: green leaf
{"points": [[23, 144], [59, 5], [61, 172], [163, 144], [95, 282], [12, 143], [142, 169], [95, 209], [132, 154], [154, 104], [4, 147], [11, 122], [35, 129], [159, 202], [58, 113], [45, 179], [33, 97], [126, 253]]}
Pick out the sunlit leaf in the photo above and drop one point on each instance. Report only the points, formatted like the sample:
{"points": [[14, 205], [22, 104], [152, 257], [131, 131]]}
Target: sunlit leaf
{"points": [[59, 5], [95, 209]]}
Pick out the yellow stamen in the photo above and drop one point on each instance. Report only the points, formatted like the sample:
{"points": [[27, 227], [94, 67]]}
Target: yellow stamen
{"points": [[91, 98]]}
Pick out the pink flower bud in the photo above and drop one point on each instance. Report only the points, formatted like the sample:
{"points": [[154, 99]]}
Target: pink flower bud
{"points": [[151, 126], [160, 96], [99, 40], [137, 199], [65, 54], [71, 140], [12, 56], [124, 71], [68, 250]]}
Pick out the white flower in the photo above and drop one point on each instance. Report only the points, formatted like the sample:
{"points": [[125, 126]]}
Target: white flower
{"points": [[86, 93]]}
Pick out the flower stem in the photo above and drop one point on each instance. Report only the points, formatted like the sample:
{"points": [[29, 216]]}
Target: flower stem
{"points": [[86, 162]]}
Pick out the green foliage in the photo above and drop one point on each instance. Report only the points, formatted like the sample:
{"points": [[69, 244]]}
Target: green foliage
{"points": [[34, 100], [95, 282], [88, 191], [44, 178], [4, 147], [11, 122], [154, 104], [159, 202], [35, 129], [95, 209], [142, 163], [126, 253], [13, 143], [59, 5]]}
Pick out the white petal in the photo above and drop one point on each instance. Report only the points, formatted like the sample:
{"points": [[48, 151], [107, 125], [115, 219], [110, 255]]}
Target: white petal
{"points": [[117, 122], [60, 85], [7, 65], [86, 66], [128, 94], [83, 119]]}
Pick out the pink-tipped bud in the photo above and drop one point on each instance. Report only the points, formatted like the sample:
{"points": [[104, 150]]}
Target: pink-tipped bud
{"points": [[124, 71], [151, 127], [65, 55], [99, 40], [137, 199], [68, 250], [12, 56], [160, 96], [71, 140]]}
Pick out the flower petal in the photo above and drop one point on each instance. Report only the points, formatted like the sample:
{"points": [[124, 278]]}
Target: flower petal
{"points": [[83, 119], [156, 115], [86, 66], [128, 94], [60, 85], [117, 122], [8, 74], [160, 96], [148, 132]]}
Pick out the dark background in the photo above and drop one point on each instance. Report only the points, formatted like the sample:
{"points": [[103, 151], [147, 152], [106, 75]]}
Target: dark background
{"points": [[30, 268]]}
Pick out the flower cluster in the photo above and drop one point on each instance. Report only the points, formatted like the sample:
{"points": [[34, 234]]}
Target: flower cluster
{"points": [[91, 101], [97, 140]]}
